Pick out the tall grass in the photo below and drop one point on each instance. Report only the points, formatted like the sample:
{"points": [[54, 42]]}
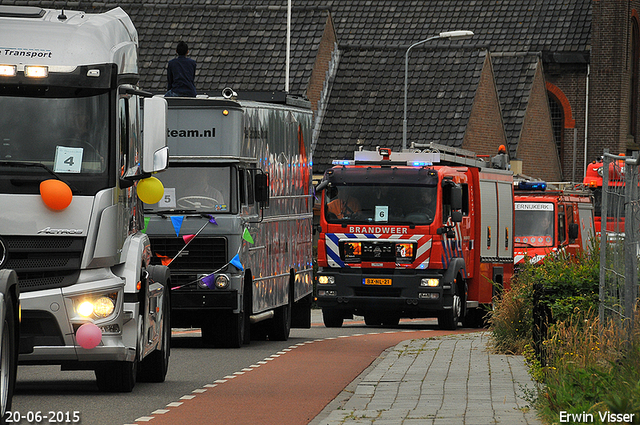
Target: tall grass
{"points": [[592, 367], [511, 321]]}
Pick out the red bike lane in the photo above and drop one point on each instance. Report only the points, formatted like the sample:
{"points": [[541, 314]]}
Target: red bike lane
{"points": [[289, 388]]}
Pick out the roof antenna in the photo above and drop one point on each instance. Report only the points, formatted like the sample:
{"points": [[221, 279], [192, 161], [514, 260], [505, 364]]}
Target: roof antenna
{"points": [[62, 16]]}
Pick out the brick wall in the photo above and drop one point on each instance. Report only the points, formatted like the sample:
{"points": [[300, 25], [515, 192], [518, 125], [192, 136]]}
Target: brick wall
{"points": [[485, 130], [610, 76], [321, 65]]}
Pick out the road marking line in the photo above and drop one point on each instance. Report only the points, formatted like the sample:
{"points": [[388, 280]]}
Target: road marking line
{"points": [[199, 391], [160, 412], [210, 385], [187, 397], [175, 404]]}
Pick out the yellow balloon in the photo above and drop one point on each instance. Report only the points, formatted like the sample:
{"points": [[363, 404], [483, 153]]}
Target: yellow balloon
{"points": [[150, 190]]}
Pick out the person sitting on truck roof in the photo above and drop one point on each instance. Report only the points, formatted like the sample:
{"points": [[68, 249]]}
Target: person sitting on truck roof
{"points": [[181, 73], [500, 161], [344, 205]]}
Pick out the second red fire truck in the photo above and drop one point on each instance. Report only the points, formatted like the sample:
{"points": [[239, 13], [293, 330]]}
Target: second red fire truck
{"points": [[407, 235], [550, 221]]}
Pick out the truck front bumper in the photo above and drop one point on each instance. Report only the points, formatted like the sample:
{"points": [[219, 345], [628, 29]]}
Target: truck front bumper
{"points": [[401, 293]]}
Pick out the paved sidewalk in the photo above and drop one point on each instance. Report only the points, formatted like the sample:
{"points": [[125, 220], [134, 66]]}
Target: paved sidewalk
{"points": [[447, 380]]}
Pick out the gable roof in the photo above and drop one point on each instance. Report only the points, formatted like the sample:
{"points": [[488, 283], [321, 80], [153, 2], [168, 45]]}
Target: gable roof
{"points": [[366, 107], [505, 25], [514, 75]]}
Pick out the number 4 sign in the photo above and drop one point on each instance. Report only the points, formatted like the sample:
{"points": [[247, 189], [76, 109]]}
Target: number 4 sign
{"points": [[67, 160]]}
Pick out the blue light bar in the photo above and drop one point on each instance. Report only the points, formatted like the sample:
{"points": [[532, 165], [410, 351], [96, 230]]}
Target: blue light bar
{"points": [[532, 185], [420, 163], [343, 162]]}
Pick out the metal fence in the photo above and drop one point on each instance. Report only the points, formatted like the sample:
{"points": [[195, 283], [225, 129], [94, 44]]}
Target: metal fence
{"points": [[620, 235]]}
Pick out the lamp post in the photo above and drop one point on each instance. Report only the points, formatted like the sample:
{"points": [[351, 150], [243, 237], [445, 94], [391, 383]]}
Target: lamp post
{"points": [[451, 35]]}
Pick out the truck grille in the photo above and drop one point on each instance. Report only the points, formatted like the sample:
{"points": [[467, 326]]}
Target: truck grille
{"points": [[203, 255], [44, 262]]}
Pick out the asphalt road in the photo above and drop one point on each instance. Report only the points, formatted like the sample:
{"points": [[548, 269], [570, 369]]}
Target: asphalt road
{"points": [[312, 366]]}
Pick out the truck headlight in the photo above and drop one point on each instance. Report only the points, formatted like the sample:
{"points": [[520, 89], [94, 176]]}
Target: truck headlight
{"points": [[326, 280], [222, 281], [432, 282], [99, 306]]}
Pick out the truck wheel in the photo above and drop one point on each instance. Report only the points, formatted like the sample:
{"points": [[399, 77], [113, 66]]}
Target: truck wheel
{"points": [[391, 321], [8, 356], [332, 318], [117, 377], [474, 318], [448, 319], [281, 322], [154, 367], [372, 319], [281, 325]]}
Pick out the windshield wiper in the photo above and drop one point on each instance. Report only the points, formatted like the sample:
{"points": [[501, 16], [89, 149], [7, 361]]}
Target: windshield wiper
{"points": [[26, 164], [165, 214], [527, 244]]}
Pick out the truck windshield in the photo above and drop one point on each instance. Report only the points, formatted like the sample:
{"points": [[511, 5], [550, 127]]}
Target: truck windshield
{"points": [[411, 205], [65, 136], [534, 223], [194, 188]]}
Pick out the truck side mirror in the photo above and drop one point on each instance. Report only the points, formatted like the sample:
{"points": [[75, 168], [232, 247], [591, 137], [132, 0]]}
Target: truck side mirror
{"points": [[261, 185], [573, 231], [456, 216], [155, 153], [456, 197]]}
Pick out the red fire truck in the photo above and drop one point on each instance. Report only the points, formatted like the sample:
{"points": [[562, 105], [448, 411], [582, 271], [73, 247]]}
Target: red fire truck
{"points": [[550, 221], [593, 180], [401, 237]]}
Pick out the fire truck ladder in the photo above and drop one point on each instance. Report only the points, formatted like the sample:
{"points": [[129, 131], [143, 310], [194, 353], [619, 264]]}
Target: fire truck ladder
{"points": [[451, 155]]}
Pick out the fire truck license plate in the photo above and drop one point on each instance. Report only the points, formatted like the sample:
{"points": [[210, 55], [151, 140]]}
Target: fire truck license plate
{"points": [[375, 281]]}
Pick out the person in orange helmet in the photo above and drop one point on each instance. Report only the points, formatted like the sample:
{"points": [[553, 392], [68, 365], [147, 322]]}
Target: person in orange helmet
{"points": [[500, 161]]}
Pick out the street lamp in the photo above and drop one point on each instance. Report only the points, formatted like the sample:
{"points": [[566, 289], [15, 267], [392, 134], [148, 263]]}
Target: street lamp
{"points": [[451, 35]]}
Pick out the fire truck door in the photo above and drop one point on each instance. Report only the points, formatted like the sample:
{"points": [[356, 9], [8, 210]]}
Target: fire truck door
{"points": [[489, 219]]}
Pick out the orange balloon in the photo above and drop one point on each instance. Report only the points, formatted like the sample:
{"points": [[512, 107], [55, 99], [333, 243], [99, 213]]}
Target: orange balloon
{"points": [[56, 194]]}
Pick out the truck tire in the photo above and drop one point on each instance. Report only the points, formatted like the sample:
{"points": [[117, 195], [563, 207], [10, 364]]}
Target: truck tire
{"points": [[332, 318], [154, 367], [475, 318], [281, 322], [372, 320], [448, 319], [8, 355], [117, 377], [391, 320]]}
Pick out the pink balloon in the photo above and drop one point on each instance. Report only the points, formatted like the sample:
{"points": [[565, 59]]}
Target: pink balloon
{"points": [[88, 336]]}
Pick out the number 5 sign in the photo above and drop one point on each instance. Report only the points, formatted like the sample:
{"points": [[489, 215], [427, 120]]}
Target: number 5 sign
{"points": [[67, 160]]}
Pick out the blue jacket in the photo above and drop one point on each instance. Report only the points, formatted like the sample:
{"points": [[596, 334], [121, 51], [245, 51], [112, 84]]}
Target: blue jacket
{"points": [[181, 72]]}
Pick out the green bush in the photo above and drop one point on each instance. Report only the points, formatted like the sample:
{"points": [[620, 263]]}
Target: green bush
{"points": [[568, 283]]}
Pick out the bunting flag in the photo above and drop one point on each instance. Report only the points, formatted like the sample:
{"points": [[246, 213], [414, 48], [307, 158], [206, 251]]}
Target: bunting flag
{"points": [[212, 220], [187, 238], [209, 280], [247, 236], [177, 223], [235, 261], [164, 259], [146, 223]]}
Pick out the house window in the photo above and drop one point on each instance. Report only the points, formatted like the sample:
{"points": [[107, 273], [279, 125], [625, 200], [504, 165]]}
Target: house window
{"points": [[557, 122]]}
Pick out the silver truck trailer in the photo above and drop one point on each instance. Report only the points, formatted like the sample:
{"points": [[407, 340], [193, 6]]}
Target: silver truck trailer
{"points": [[72, 154], [235, 222]]}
